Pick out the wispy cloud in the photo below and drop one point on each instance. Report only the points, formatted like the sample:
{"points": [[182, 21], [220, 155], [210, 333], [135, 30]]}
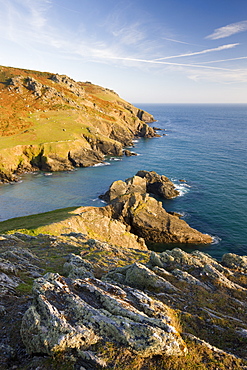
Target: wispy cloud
{"points": [[228, 30], [222, 77], [180, 42], [224, 60], [129, 35], [219, 48], [124, 42], [154, 61]]}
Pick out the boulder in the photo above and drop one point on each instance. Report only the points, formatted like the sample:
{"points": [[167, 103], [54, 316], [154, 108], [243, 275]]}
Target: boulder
{"points": [[72, 314], [233, 261]]}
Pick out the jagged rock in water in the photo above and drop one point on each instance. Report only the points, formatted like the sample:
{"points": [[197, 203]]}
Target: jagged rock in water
{"points": [[128, 153], [147, 131], [148, 219], [159, 184], [74, 314], [119, 188], [143, 182]]}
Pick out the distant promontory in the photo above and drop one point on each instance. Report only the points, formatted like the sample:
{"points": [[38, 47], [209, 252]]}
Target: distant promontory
{"points": [[50, 122]]}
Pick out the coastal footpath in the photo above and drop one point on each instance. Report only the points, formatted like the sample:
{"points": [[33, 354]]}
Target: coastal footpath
{"points": [[50, 122]]}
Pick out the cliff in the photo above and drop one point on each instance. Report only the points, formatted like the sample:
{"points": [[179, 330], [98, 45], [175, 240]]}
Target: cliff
{"points": [[52, 123]]}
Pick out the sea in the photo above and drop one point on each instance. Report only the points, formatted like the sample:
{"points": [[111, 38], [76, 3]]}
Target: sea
{"points": [[201, 148]]}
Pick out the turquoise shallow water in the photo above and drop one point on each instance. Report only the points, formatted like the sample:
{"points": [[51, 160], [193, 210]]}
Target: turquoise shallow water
{"points": [[204, 145]]}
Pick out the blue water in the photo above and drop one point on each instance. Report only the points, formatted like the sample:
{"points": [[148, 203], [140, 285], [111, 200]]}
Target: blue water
{"points": [[204, 145]]}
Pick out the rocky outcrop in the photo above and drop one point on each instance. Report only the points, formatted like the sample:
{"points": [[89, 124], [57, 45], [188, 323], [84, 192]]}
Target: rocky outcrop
{"points": [[159, 184], [143, 182], [75, 314], [148, 219], [145, 216], [97, 223], [72, 85]]}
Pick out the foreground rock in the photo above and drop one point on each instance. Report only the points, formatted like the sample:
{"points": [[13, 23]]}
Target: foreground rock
{"points": [[111, 306], [69, 314]]}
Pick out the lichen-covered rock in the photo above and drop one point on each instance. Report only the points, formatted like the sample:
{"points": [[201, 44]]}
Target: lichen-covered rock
{"points": [[130, 314], [218, 278], [77, 268], [234, 261], [7, 284], [140, 276], [74, 314], [179, 259], [195, 268], [188, 278]]}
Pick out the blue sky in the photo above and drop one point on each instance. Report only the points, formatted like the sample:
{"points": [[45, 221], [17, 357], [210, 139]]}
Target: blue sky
{"points": [[155, 51]]}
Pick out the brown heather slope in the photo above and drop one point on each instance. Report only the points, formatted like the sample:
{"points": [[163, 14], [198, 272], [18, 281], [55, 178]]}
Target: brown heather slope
{"points": [[52, 123]]}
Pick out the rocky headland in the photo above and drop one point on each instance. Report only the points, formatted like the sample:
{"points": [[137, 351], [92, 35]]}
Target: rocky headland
{"points": [[50, 122], [130, 202], [80, 288]]}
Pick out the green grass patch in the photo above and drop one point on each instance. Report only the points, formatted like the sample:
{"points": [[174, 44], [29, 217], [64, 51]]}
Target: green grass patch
{"points": [[30, 224]]}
